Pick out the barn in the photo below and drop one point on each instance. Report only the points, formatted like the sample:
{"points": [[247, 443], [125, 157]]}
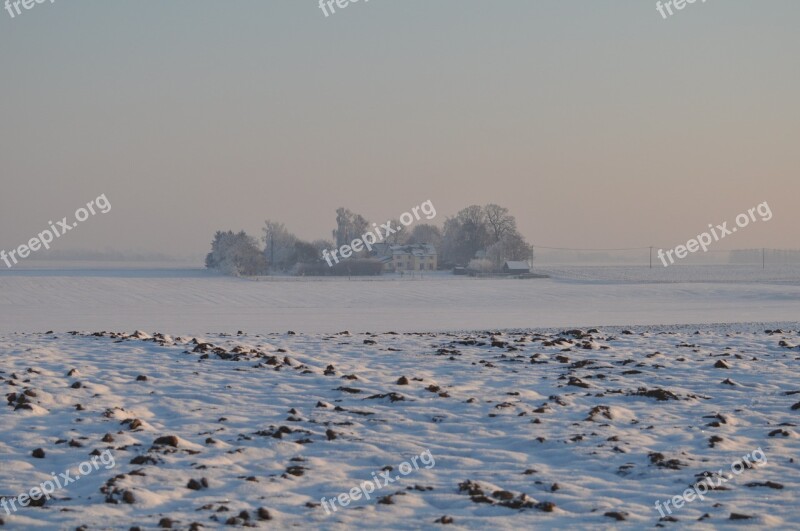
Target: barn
{"points": [[516, 267]]}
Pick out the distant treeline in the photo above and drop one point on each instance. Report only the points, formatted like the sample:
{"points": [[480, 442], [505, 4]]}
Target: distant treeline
{"points": [[482, 238], [104, 256]]}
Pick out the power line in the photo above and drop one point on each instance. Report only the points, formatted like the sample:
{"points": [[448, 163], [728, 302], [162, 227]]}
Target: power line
{"points": [[571, 249], [759, 249]]}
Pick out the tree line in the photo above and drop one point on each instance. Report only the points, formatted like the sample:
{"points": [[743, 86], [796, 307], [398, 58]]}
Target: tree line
{"points": [[477, 237]]}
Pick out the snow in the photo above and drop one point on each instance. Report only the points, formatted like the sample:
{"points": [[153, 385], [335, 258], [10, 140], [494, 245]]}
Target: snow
{"points": [[506, 400], [518, 420], [194, 301]]}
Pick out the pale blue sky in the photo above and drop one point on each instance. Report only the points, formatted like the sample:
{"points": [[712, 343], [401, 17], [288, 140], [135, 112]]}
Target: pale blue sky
{"points": [[597, 123]]}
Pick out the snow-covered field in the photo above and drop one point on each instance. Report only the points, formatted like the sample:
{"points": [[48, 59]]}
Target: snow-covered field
{"points": [[529, 426], [193, 301], [525, 430]]}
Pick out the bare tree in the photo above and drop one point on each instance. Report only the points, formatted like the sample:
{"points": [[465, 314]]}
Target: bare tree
{"points": [[465, 234], [511, 247], [399, 237], [426, 233], [321, 245], [305, 252], [500, 222]]}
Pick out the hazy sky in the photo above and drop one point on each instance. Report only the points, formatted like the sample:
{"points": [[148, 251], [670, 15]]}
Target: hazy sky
{"points": [[598, 123]]}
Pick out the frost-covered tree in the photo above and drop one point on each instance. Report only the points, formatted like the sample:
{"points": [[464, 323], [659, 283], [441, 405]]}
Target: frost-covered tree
{"points": [[279, 246], [512, 246], [236, 254], [349, 226], [480, 265]]}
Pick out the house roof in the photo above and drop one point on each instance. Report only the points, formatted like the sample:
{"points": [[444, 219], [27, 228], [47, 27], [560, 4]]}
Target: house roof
{"points": [[381, 249], [512, 264], [417, 249]]}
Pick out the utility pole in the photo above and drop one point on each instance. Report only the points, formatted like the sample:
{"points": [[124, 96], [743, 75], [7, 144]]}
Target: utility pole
{"points": [[763, 258], [651, 257]]}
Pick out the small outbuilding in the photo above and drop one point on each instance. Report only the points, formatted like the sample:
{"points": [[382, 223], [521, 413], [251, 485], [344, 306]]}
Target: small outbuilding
{"points": [[516, 267]]}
